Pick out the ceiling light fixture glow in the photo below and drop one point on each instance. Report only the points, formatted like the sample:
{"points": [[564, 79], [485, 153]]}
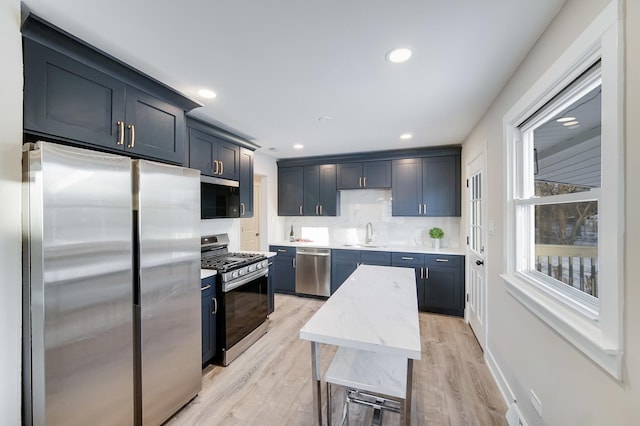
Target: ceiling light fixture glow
{"points": [[573, 127], [398, 55], [206, 93], [298, 146], [570, 123], [406, 136], [565, 119]]}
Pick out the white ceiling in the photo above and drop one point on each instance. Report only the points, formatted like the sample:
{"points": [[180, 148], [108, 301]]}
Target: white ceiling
{"points": [[278, 66]]}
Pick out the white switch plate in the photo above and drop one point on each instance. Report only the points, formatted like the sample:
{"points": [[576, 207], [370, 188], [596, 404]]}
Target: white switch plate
{"points": [[535, 401]]}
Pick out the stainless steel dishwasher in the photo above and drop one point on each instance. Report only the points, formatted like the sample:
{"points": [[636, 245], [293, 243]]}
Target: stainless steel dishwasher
{"points": [[313, 271]]}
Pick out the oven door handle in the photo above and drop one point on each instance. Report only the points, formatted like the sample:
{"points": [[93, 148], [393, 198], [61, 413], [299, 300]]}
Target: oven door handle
{"points": [[227, 287]]}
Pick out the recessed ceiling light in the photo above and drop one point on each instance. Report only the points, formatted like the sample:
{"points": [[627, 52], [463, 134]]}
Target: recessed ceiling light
{"points": [[325, 118], [565, 119], [406, 136], [398, 55], [570, 123], [298, 146], [206, 93]]}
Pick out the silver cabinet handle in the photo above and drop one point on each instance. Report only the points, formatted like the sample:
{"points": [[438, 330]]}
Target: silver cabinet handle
{"points": [[421, 273], [120, 133], [442, 260], [215, 306], [424, 209], [206, 287], [243, 209], [294, 262], [317, 209], [221, 168], [215, 169], [282, 250], [300, 210], [426, 273], [133, 136], [320, 209], [407, 258], [419, 208], [360, 182], [364, 180]]}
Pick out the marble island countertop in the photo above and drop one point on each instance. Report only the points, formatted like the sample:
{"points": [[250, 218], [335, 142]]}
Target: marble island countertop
{"points": [[404, 248]]}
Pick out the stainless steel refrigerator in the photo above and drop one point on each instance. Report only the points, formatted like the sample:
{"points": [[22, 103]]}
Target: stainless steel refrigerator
{"points": [[111, 288]]}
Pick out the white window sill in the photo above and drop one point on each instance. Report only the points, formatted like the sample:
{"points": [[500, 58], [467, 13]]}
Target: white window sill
{"points": [[583, 333]]}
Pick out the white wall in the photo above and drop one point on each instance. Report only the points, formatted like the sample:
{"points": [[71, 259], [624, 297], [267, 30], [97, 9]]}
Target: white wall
{"points": [[10, 209], [528, 354]]}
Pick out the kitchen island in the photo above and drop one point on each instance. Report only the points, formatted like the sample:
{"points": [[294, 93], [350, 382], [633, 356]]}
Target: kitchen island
{"points": [[374, 310]]}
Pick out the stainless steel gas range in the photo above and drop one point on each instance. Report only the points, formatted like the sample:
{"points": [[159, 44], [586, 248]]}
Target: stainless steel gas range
{"points": [[242, 294]]}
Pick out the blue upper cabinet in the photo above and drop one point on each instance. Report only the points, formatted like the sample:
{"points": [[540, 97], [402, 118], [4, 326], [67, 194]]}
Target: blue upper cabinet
{"points": [[364, 175], [246, 183], [290, 191], [319, 190], [426, 186], [212, 155], [76, 94]]}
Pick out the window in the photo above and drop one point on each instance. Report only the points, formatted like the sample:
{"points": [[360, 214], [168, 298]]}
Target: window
{"points": [[565, 186], [556, 201]]}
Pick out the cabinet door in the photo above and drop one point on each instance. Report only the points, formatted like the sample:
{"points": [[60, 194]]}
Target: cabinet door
{"points": [[228, 156], [246, 183], [406, 191], [328, 196], [441, 185], [415, 261], [343, 263], [284, 273], [311, 191], [65, 98], [271, 300], [377, 174], [290, 191], [155, 128], [207, 295], [201, 154], [349, 175], [445, 285]]}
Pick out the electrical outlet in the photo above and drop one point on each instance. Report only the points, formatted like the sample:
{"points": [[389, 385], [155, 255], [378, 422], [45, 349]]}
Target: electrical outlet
{"points": [[535, 401]]}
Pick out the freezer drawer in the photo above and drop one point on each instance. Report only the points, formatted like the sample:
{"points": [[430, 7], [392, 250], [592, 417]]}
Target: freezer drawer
{"points": [[313, 271]]}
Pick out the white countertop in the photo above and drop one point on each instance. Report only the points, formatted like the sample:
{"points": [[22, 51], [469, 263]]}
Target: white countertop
{"points": [[206, 273], [404, 248], [375, 309]]}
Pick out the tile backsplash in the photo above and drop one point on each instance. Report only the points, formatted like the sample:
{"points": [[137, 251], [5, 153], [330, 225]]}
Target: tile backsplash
{"points": [[358, 207]]}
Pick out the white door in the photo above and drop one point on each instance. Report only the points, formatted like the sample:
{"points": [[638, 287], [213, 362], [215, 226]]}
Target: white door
{"points": [[476, 285], [250, 238]]}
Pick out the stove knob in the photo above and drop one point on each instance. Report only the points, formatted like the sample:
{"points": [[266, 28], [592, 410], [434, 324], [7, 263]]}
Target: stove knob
{"points": [[259, 265], [234, 274]]}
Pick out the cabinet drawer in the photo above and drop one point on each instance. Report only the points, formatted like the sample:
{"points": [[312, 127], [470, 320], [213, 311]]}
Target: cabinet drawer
{"points": [[407, 259], [346, 255], [452, 261], [284, 250], [381, 258]]}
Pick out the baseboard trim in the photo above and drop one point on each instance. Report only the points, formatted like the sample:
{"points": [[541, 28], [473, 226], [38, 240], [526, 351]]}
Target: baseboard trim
{"points": [[496, 372]]}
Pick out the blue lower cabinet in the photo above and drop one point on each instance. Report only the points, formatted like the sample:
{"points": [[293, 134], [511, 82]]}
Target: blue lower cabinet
{"points": [[439, 281], [284, 272], [344, 262], [270, 291], [209, 308]]}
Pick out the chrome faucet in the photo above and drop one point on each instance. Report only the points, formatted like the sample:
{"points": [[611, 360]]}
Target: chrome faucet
{"points": [[369, 237]]}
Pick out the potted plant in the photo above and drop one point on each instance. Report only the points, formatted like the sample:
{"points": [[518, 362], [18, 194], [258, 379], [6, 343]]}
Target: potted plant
{"points": [[436, 235]]}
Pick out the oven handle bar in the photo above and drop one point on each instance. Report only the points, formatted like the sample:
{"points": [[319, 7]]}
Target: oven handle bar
{"points": [[227, 287]]}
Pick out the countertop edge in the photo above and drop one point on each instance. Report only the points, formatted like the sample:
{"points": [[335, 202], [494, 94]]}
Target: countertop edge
{"points": [[400, 248]]}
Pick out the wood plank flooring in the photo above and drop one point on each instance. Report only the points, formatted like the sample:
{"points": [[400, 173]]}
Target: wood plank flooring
{"points": [[270, 384]]}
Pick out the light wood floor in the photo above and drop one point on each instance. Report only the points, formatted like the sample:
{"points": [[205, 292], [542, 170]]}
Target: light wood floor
{"points": [[270, 384]]}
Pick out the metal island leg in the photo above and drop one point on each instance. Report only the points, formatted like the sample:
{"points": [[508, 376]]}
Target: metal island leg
{"points": [[315, 381]]}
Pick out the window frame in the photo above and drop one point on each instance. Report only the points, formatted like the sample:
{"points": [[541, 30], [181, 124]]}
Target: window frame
{"points": [[596, 331]]}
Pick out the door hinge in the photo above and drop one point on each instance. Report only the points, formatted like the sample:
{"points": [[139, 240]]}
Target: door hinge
{"points": [[467, 297], [467, 240], [467, 183]]}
